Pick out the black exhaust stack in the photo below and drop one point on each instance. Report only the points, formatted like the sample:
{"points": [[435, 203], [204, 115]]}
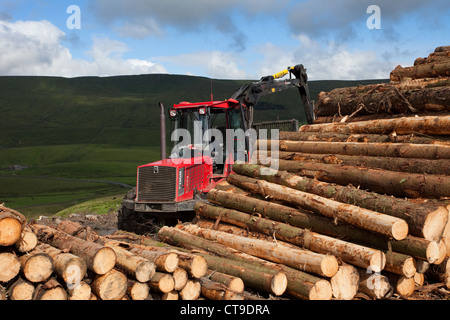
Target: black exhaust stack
{"points": [[163, 132]]}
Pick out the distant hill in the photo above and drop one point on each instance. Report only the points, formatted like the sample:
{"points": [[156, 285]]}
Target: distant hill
{"points": [[119, 111]]}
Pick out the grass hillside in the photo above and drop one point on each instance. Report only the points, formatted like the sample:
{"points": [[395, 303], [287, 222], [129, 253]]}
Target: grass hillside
{"points": [[95, 129]]}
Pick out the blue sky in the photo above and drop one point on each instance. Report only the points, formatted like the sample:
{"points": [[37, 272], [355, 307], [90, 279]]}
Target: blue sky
{"points": [[227, 39]]}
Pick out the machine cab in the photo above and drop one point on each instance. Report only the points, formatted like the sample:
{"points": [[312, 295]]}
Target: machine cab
{"points": [[215, 129]]}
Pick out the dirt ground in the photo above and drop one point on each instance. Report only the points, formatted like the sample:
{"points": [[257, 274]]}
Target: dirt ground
{"points": [[107, 224]]}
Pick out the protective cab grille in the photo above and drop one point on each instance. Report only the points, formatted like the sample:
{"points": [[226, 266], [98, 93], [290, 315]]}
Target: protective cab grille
{"points": [[157, 184]]}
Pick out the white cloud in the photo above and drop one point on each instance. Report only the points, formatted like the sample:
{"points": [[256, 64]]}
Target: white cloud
{"points": [[329, 61], [34, 48], [216, 64]]}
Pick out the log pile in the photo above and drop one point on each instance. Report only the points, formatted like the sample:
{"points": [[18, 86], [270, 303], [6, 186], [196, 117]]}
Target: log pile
{"points": [[64, 260], [422, 89]]}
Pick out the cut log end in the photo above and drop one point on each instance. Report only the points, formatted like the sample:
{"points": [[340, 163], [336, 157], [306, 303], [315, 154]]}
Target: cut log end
{"points": [[104, 261], [400, 230], [82, 292], [10, 231], [345, 283], [435, 223], [377, 261], [9, 266], [199, 267], [433, 252], [27, 241], [279, 284], [170, 262], [145, 271], [191, 290], [409, 267], [38, 267], [321, 290], [111, 286], [329, 266]]}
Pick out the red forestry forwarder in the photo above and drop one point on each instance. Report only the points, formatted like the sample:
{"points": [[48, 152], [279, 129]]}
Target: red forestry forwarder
{"points": [[167, 190]]}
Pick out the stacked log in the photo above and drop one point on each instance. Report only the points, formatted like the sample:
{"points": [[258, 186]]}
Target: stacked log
{"points": [[422, 89], [64, 260]]}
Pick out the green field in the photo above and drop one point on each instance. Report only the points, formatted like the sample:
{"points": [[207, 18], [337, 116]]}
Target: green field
{"points": [[91, 128]]}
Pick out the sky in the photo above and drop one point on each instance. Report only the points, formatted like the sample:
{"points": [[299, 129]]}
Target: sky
{"points": [[226, 39]]}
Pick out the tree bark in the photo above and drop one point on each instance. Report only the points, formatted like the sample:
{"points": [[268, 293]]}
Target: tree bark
{"points": [[72, 269], [440, 272], [234, 284], [216, 291], [399, 184], [110, 286], [431, 125], [99, 259], [304, 260], [425, 70], [343, 137], [36, 266], [370, 149], [400, 264], [357, 216], [300, 284], [382, 99], [425, 219], [268, 281], [346, 251], [411, 165]]}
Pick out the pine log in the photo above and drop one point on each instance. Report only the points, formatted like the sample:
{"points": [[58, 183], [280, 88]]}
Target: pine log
{"points": [[375, 285], [67, 266], [162, 282], [399, 184], [171, 296], [11, 224], [345, 283], [9, 266], [377, 138], [110, 286], [164, 261], [414, 246], [431, 125], [383, 116], [420, 166], [304, 260], [51, 290], [180, 278], [346, 251], [195, 265], [131, 264], [419, 279], [382, 99], [99, 259], [402, 285], [137, 290], [426, 70], [253, 271], [234, 284], [442, 252], [400, 264], [27, 241], [81, 291], [216, 291], [37, 266], [371, 149], [357, 216], [425, 219], [422, 266], [440, 272], [191, 290], [446, 234], [274, 281], [20, 290]]}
